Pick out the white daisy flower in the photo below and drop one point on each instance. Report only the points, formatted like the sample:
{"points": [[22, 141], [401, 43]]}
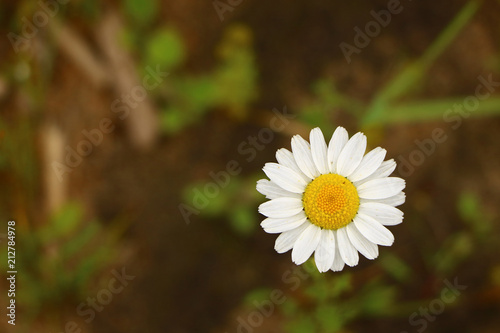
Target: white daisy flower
{"points": [[331, 200]]}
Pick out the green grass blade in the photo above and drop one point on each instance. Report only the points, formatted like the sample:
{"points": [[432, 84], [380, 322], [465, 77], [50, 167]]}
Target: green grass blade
{"points": [[431, 110], [411, 76]]}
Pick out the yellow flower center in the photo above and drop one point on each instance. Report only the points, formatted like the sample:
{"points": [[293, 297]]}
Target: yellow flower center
{"points": [[330, 201]]}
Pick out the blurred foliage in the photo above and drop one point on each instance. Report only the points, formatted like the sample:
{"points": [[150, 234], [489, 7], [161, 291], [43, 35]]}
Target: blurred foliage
{"points": [[396, 268], [455, 249], [461, 245], [327, 97], [411, 77], [142, 12], [60, 258], [394, 102], [475, 215], [332, 302], [56, 262], [328, 302], [229, 87], [201, 93], [164, 47], [234, 201], [236, 76]]}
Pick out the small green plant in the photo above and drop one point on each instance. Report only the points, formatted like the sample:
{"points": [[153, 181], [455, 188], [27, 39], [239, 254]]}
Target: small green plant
{"points": [[327, 303], [184, 99], [57, 261], [474, 215], [462, 244]]}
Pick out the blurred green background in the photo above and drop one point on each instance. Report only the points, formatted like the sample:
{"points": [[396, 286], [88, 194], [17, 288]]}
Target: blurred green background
{"points": [[132, 134]]}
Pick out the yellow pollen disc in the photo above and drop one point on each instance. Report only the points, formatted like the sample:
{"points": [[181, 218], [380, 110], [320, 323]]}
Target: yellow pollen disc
{"points": [[330, 201]]}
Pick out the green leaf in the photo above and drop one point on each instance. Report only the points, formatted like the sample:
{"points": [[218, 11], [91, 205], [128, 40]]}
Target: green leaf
{"points": [[236, 75], [257, 295], [88, 266], [197, 94], [396, 267], [471, 211], [63, 223], [209, 205], [455, 249], [172, 120], [243, 219], [468, 206], [165, 48], [290, 308], [79, 241], [315, 115], [318, 290], [326, 100], [341, 283], [142, 12], [378, 300], [302, 324], [330, 318]]}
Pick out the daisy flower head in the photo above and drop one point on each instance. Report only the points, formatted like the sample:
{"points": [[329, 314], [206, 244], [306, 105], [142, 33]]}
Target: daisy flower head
{"points": [[331, 200]]}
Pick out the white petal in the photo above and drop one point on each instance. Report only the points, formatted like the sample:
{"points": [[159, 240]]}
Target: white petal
{"points": [[285, 241], [381, 188], [325, 252], [285, 157], [383, 213], [347, 251], [302, 154], [369, 164], [273, 191], [281, 207], [373, 230], [319, 151], [395, 200], [306, 244], [385, 169], [337, 143], [285, 177], [363, 245], [275, 226], [338, 263], [351, 155]]}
